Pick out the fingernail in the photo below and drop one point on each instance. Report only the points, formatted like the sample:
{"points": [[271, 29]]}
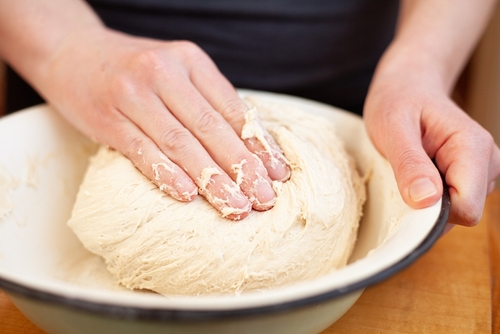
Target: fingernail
{"points": [[187, 189], [422, 189], [224, 194], [184, 189], [278, 169], [266, 197]]}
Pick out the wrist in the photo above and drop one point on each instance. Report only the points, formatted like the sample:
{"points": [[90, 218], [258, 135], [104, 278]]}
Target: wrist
{"points": [[34, 30], [70, 45], [402, 66]]}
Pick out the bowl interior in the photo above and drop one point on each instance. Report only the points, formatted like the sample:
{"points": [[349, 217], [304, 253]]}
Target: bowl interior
{"points": [[43, 160]]}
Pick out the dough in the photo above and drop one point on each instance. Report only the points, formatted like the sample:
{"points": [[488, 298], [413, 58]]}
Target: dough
{"points": [[151, 241]]}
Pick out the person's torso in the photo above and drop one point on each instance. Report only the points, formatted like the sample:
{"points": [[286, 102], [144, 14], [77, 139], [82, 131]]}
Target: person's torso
{"points": [[321, 49]]}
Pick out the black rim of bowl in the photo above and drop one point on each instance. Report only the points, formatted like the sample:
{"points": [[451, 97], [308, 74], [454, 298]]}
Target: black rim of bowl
{"points": [[136, 313]]}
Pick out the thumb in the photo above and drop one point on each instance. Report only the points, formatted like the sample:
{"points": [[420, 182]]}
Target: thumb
{"points": [[418, 179]]}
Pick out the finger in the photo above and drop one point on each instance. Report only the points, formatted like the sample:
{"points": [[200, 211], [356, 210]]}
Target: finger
{"points": [[221, 142], [418, 179], [223, 97], [177, 143], [491, 187], [447, 229], [259, 141], [494, 171], [148, 158], [466, 159], [156, 166]]}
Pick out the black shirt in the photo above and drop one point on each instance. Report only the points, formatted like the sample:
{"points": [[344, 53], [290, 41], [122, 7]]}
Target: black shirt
{"points": [[324, 50]]}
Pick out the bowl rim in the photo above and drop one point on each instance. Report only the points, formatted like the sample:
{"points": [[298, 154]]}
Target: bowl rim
{"points": [[201, 315]]}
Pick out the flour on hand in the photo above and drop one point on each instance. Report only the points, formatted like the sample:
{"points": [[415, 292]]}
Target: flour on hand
{"points": [[152, 241]]}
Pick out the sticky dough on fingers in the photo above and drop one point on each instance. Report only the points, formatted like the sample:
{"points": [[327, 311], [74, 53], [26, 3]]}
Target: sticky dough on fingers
{"points": [[151, 241]]}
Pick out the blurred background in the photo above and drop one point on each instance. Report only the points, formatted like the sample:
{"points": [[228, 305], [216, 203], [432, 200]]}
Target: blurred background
{"points": [[2, 88], [478, 89]]}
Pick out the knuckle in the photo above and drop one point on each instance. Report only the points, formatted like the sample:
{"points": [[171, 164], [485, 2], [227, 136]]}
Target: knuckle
{"points": [[208, 121], [175, 139], [481, 142], [105, 116], [408, 161], [233, 111], [191, 52], [151, 63], [477, 131], [134, 146], [151, 57], [121, 87], [187, 46], [487, 139], [471, 215]]}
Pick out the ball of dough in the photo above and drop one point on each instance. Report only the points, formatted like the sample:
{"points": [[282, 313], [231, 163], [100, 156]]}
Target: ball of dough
{"points": [[151, 241]]}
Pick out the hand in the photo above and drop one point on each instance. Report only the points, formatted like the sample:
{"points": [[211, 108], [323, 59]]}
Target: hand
{"points": [[412, 121], [167, 108]]}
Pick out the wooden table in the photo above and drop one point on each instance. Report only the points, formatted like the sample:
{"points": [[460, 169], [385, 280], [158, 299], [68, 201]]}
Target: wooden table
{"points": [[454, 288]]}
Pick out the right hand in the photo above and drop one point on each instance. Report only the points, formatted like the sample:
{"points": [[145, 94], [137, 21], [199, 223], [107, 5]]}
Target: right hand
{"points": [[167, 108]]}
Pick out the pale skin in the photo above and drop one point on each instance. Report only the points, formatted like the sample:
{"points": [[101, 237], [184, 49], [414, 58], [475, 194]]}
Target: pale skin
{"points": [[165, 104], [411, 118]]}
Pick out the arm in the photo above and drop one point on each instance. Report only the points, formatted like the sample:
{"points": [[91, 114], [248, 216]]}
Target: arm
{"points": [[163, 104], [411, 118]]}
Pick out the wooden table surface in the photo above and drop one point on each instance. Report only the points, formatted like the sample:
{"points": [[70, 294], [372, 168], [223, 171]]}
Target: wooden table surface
{"points": [[453, 288]]}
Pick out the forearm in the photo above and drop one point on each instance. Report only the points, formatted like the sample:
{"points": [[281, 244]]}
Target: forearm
{"points": [[160, 103], [32, 32], [435, 38]]}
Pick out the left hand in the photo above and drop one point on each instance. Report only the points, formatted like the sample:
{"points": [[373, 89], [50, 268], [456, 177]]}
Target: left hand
{"points": [[411, 121]]}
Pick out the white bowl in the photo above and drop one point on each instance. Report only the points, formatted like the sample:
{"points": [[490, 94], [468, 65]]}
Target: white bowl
{"points": [[62, 288]]}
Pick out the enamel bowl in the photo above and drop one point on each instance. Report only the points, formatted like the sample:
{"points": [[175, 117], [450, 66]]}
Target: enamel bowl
{"points": [[62, 288]]}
